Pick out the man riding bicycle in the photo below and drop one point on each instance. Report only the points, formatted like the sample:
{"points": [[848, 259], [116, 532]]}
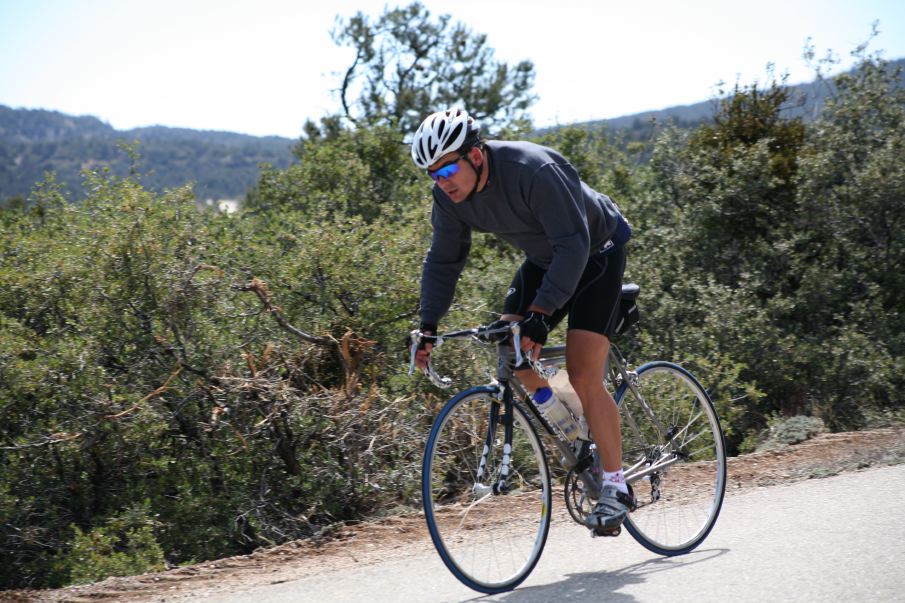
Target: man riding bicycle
{"points": [[573, 238]]}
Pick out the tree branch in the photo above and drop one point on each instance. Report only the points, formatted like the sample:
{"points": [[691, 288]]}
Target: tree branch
{"points": [[259, 288], [156, 392], [347, 81], [56, 438]]}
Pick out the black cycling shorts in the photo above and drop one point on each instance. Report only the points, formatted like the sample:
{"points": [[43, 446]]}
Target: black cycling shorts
{"points": [[593, 307]]}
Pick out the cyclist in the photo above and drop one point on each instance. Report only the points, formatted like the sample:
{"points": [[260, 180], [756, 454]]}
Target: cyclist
{"points": [[573, 238]]}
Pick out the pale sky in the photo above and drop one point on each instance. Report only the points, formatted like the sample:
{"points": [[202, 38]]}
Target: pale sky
{"points": [[263, 67]]}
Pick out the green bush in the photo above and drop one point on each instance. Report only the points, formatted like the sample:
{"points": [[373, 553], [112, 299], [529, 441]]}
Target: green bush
{"points": [[772, 243], [125, 546], [140, 364], [786, 432]]}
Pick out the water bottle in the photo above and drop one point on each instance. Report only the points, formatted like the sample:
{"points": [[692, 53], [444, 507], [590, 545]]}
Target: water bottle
{"points": [[563, 390], [556, 413]]}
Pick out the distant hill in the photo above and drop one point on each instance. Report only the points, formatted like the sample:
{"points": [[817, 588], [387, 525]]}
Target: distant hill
{"points": [[222, 165], [806, 102]]}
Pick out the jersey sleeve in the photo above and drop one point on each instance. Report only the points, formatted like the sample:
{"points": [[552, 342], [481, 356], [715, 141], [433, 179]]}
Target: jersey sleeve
{"points": [[555, 198], [450, 245]]}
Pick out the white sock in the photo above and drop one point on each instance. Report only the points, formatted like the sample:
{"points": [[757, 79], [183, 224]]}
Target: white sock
{"points": [[616, 478]]}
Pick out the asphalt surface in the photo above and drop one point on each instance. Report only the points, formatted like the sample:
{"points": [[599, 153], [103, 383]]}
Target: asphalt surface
{"points": [[839, 538]]}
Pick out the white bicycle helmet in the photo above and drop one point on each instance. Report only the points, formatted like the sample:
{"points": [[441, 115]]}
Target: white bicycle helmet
{"points": [[441, 133]]}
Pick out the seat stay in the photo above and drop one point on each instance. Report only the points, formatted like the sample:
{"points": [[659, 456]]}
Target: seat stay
{"points": [[629, 382]]}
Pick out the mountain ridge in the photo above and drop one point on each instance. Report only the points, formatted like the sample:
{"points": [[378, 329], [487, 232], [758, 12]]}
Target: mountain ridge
{"points": [[225, 165], [62, 123], [221, 165], [806, 102]]}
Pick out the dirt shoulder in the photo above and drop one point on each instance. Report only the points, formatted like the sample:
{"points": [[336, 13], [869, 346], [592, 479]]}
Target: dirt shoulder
{"points": [[406, 535]]}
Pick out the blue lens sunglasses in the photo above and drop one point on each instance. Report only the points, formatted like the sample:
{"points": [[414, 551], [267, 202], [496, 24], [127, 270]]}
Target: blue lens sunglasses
{"points": [[447, 169]]}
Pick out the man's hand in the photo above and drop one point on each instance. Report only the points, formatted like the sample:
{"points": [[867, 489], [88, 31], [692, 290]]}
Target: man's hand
{"points": [[423, 353], [533, 334]]}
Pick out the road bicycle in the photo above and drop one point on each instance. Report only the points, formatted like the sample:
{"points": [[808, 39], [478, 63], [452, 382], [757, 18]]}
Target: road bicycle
{"points": [[486, 482]]}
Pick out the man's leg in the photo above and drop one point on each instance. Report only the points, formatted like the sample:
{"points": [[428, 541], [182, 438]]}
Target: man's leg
{"points": [[586, 354]]}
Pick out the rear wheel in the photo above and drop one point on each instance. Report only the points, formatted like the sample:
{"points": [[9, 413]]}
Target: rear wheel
{"points": [[490, 541], [676, 461]]}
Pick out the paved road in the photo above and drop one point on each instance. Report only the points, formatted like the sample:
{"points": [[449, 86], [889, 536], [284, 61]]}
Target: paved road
{"points": [[840, 538]]}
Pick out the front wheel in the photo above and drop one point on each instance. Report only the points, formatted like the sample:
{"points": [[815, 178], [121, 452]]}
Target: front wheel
{"points": [[675, 458], [490, 540]]}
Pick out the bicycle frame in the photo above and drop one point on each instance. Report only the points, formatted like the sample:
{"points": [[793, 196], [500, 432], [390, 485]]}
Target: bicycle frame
{"points": [[617, 372], [473, 458], [551, 359]]}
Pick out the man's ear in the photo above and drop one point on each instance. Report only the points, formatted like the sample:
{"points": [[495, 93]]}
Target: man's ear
{"points": [[476, 156]]}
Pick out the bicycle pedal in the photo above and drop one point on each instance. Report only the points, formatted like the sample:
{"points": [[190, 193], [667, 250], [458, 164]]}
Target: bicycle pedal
{"points": [[606, 532]]}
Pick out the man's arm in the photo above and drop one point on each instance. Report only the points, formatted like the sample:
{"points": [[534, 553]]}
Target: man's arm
{"points": [[556, 200], [450, 245]]}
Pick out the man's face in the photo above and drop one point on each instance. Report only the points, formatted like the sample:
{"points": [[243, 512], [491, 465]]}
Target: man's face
{"points": [[457, 177]]}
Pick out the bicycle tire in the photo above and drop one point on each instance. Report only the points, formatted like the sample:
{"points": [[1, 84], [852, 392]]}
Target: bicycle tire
{"points": [[678, 505], [490, 542]]}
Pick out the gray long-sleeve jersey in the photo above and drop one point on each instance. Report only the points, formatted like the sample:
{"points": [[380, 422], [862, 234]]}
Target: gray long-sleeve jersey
{"points": [[535, 200]]}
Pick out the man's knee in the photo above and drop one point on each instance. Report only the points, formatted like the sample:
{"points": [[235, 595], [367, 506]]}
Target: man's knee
{"points": [[585, 381]]}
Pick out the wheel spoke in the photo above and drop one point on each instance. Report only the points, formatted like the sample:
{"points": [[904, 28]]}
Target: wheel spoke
{"points": [[490, 542], [704, 433], [690, 483]]}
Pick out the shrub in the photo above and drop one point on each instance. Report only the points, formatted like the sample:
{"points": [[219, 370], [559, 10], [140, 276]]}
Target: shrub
{"points": [[124, 546], [789, 431]]}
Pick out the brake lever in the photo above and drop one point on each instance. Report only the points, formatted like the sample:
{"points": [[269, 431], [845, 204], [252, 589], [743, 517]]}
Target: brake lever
{"points": [[517, 341], [442, 382], [536, 365], [415, 340]]}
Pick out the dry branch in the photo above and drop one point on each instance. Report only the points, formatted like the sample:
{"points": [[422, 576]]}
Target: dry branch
{"points": [[259, 288], [156, 392]]}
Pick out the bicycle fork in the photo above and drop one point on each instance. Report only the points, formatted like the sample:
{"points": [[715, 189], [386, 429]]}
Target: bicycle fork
{"points": [[501, 486]]}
